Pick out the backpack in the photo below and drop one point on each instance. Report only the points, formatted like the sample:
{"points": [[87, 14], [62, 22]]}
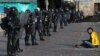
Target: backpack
{"points": [[4, 23]]}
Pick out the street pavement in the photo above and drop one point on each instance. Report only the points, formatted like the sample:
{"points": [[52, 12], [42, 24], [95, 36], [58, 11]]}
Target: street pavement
{"points": [[60, 43]]}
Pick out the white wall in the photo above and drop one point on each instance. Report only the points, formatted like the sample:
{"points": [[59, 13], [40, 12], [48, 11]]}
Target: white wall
{"points": [[96, 1]]}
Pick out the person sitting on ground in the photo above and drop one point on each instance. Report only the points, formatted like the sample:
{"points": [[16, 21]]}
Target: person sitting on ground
{"points": [[93, 42]]}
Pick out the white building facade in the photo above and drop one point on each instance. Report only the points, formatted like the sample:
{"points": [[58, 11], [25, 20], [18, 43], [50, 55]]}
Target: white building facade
{"points": [[89, 7]]}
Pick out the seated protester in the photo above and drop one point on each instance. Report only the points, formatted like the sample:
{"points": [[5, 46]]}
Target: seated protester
{"points": [[93, 42]]}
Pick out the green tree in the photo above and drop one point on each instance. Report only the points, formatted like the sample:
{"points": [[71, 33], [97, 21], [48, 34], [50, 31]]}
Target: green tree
{"points": [[70, 5]]}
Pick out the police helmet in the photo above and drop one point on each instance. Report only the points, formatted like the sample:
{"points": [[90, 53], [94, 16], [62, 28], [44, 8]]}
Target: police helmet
{"points": [[13, 10]]}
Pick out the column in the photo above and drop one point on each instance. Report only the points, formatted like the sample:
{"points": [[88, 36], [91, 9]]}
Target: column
{"points": [[47, 4]]}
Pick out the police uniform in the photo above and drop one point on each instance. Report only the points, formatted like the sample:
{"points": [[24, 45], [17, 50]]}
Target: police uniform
{"points": [[65, 17], [61, 18], [50, 17], [46, 24], [29, 31], [12, 31], [38, 24], [55, 20]]}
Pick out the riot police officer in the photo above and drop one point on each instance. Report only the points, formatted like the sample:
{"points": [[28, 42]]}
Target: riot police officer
{"points": [[65, 15], [38, 23], [29, 30], [71, 16], [12, 29], [50, 16], [68, 16], [46, 23], [61, 18], [55, 20]]}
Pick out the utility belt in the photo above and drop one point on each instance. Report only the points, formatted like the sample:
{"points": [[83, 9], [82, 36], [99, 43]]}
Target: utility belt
{"points": [[37, 20]]}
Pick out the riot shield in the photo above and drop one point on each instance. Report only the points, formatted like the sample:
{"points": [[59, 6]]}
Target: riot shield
{"points": [[24, 18]]}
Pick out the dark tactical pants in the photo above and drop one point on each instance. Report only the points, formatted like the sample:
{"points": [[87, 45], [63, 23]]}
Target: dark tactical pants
{"points": [[55, 22], [68, 18], [65, 19], [46, 28], [55, 26], [61, 21], [39, 29], [50, 22], [12, 44], [29, 34]]}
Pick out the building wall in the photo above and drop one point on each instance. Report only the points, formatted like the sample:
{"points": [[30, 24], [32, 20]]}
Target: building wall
{"points": [[87, 6], [96, 1]]}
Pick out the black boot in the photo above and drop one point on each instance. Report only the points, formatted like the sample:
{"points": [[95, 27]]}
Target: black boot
{"points": [[42, 39], [48, 34], [19, 50], [35, 43], [27, 44], [54, 31], [61, 27], [44, 34]]}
